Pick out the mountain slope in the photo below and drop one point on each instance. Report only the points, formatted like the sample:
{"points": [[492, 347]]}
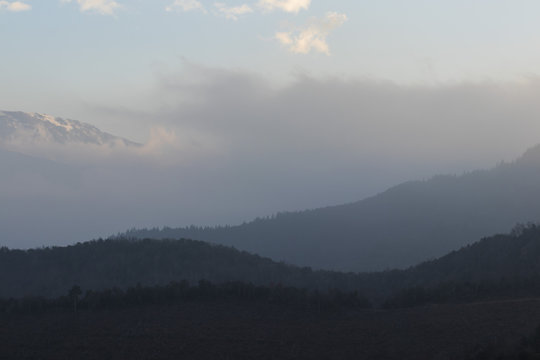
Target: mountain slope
{"points": [[62, 181], [505, 256], [407, 224], [16, 126]]}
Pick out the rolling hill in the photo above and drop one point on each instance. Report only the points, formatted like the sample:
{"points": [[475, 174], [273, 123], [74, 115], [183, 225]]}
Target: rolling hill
{"points": [[103, 264], [100, 264]]}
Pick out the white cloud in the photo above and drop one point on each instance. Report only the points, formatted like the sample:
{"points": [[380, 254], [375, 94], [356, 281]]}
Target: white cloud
{"points": [[186, 5], [233, 12], [284, 38], [14, 6], [312, 37], [103, 7], [292, 6]]}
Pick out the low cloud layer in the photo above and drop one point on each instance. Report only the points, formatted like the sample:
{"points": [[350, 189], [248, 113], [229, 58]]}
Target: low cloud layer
{"points": [[164, 148], [228, 146], [351, 119], [355, 137]]}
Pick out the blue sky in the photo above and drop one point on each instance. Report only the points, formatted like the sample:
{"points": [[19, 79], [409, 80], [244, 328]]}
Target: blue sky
{"points": [[412, 41], [62, 56]]}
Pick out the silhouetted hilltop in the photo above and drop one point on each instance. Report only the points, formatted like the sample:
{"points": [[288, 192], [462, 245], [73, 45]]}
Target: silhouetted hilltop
{"points": [[498, 264], [509, 257], [103, 264], [404, 225]]}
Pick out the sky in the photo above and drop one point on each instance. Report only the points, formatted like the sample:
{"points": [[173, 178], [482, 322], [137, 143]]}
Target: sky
{"points": [[260, 106], [70, 57]]}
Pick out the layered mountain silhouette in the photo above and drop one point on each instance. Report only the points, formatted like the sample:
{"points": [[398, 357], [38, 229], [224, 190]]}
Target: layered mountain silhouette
{"points": [[400, 227], [407, 224], [494, 263]]}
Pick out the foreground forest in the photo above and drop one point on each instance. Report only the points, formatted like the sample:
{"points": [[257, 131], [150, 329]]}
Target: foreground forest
{"points": [[170, 299]]}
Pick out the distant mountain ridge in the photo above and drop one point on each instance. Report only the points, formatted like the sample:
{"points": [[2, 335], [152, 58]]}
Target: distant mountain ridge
{"points": [[55, 179], [17, 126], [400, 227]]}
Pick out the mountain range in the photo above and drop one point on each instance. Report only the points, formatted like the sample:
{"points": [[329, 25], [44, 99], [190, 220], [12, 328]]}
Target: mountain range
{"points": [[407, 224], [17, 126], [400, 227]]}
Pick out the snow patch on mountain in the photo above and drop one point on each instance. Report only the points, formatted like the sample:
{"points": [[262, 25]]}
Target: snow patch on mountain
{"points": [[17, 127], [58, 122]]}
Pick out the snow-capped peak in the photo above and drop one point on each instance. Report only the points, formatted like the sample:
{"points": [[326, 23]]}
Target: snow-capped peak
{"points": [[36, 127], [55, 121]]}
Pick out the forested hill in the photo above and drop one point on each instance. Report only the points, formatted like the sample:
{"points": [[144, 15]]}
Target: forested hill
{"points": [[504, 257], [501, 259], [103, 264], [401, 227], [501, 266]]}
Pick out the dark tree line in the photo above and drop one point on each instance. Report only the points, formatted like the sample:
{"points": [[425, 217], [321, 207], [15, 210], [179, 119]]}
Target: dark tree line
{"points": [[180, 292], [453, 292]]}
